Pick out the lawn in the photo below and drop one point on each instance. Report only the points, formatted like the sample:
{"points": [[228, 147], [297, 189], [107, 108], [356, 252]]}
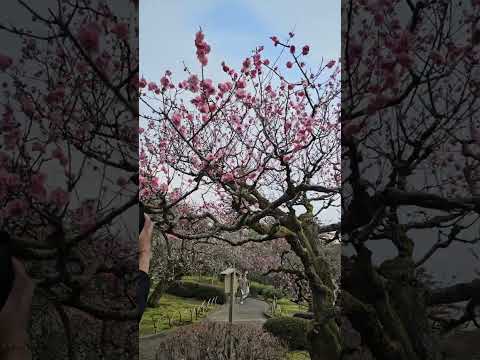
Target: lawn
{"points": [[156, 319], [209, 280], [286, 307], [298, 355]]}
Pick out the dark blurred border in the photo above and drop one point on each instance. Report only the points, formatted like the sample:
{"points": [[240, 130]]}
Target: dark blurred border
{"points": [[68, 149], [411, 175]]}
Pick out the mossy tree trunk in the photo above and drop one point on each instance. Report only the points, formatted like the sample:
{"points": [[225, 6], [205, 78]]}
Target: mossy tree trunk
{"points": [[303, 236], [387, 306], [157, 293]]}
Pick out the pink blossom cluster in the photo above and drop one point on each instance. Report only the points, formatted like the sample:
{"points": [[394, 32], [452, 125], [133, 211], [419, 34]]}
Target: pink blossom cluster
{"points": [[203, 49], [192, 84], [89, 36], [5, 62]]}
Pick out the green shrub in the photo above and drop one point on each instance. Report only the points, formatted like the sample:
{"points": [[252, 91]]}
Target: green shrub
{"points": [[259, 278], [270, 292], [256, 289], [267, 291], [294, 331], [192, 289]]}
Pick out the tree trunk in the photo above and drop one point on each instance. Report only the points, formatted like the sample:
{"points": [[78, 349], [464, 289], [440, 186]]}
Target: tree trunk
{"points": [[391, 316], [324, 336], [156, 295]]}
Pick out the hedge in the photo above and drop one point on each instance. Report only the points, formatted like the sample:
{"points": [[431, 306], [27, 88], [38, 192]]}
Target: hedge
{"points": [[293, 331], [192, 289], [266, 291]]}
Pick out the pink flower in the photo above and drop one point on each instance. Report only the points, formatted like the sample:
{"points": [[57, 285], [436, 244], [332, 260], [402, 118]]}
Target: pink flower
{"points": [[58, 153], [203, 59], [121, 30], [164, 81], [152, 86], [193, 83], [292, 49], [266, 62], [475, 133], [275, 40], [204, 108], [289, 64], [38, 185], [241, 93], [27, 106], [59, 197], [163, 188], [56, 95], [228, 177], [89, 36], [16, 208], [351, 129], [142, 83], [305, 50], [5, 62], [12, 180], [203, 49], [177, 118], [36, 146], [330, 64]]}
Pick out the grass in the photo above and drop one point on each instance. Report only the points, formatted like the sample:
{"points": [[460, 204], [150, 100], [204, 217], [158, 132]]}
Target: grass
{"points": [[156, 319], [288, 308], [203, 279], [298, 355]]}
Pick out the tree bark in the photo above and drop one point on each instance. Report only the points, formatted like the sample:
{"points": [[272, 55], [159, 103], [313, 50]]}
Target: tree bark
{"points": [[324, 336], [391, 314], [157, 293]]}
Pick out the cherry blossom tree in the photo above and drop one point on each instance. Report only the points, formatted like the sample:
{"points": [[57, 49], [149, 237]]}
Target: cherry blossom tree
{"points": [[69, 147], [257, 152], [410, 166]]}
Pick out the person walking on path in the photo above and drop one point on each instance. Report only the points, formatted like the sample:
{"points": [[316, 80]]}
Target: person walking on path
{"points": [[247, 285], [241, 286], [244, 287]]}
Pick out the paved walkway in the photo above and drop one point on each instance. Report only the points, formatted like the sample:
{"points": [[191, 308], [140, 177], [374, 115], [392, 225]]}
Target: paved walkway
{"points": [[252, 310]]}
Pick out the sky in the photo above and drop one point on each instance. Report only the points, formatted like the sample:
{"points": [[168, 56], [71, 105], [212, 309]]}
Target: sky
{"points": [[233, 28]]}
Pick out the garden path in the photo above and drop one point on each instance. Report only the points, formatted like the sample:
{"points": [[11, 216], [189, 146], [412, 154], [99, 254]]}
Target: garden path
{"points": [[252, 310]]}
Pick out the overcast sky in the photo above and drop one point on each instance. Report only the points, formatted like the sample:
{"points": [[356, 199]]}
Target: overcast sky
{"points": [[232, 28]]}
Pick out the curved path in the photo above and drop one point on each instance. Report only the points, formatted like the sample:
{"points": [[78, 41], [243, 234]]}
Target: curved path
{"points": [[252, 310]]}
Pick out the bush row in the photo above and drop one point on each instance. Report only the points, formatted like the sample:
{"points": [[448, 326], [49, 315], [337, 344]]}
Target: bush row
{"points": [[291, 330], [208, 340], [192, 289], [266, 291]]}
